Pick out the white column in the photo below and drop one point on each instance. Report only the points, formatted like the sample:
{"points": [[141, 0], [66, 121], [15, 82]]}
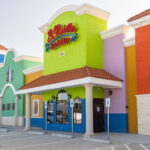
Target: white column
{"points": [[0, 110], [28, 112], [16, 110], [89, 109]]}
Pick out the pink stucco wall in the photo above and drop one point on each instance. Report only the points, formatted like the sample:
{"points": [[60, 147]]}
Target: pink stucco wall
{"points": [[115, 63]]}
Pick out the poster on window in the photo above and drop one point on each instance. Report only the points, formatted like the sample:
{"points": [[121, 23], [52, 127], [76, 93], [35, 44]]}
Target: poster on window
{"points": [[35, 107]]}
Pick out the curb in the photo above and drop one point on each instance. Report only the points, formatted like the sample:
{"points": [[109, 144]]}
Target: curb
{"points": [[96, 140]]}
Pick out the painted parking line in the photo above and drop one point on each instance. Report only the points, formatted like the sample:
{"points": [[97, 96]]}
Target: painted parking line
{"points": [[127, 147], [36, 145], [144, 147], [112, 148], [26, 138], [9, 133]]}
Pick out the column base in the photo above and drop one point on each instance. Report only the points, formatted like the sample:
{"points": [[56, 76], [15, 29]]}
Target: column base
{"points": [[88, 135], [15, 121], [27, 129]]}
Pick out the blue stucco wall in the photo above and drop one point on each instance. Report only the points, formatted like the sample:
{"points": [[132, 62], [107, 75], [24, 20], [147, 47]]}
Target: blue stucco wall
{"points": [[1, 58], [118, 123], [66, 127]]}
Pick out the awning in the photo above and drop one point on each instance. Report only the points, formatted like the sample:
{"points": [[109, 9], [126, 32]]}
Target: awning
{"points": [[72, 78]]}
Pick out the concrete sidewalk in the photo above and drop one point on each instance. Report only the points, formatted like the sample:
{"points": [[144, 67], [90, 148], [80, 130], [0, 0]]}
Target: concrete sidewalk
{"points": [[124, 138], [114, 137]]}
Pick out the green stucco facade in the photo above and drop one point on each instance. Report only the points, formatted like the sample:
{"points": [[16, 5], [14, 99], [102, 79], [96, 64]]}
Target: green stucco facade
{"points": [[8, 96]]}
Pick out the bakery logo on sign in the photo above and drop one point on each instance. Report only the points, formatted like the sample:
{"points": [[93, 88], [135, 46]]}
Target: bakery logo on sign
{"points": [[61, 35]]}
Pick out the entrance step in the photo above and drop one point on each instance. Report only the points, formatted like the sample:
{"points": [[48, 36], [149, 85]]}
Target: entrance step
{"points": [[62, 135], [36, 132]]}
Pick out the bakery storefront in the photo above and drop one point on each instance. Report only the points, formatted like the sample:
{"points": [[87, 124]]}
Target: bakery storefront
{"points": [[73, 69]]}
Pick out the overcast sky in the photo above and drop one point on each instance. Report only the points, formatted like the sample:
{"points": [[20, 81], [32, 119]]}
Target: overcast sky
{"points": [[20, 19]]}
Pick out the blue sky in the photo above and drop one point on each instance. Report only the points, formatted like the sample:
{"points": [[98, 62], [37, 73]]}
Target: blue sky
{"points": [[20, 19]]}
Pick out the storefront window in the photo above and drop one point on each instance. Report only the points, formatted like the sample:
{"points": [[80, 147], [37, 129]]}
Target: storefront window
{"points": [[62, 108], [13, 106], [77, 111], [50, 111]]}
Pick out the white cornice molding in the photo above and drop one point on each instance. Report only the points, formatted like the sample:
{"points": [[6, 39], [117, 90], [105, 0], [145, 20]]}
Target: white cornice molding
{"points": [[21, 57], [29, 58], [92, 10], [3, 52], [121, 29], [33, 69], [105, 83], [140, 22], [79, 10], [129, 42]]}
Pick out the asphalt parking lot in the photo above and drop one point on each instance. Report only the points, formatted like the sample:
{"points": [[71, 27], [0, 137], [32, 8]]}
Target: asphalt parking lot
{"points": [[17, 139]]}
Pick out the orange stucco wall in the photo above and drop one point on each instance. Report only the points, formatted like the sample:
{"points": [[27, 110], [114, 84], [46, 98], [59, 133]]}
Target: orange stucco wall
{"points": [[131, 88], [143, 59], [29, 78]]}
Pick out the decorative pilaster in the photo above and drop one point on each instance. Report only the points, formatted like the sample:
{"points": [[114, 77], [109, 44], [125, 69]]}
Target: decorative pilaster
{"points": [[28, 112], [16, 110], [89, 109]]}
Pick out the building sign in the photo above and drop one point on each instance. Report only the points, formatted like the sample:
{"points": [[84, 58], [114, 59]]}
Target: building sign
{"points": [[61, 35]]}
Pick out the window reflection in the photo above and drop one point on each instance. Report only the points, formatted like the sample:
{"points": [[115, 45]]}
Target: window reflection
{"points": [[62, 108], [50, 111], [77, 111]]}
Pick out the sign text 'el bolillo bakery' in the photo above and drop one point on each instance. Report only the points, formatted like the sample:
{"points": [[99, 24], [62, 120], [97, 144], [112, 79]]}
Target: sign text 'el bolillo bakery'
{"points": [[61, 35]]}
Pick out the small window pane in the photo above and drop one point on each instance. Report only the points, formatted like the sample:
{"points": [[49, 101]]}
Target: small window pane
{"points": [[13, 106], [77, 111], [3, 107], [8, 106], [50, 112]]}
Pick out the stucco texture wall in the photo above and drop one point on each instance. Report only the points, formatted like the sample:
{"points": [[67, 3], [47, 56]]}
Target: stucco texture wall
{"points": [[86, 50], [29, 78], [131, 88], [142, 59], [17, 82], [115, 63]]}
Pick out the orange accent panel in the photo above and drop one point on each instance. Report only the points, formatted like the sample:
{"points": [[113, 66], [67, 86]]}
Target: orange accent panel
{"points": [[131, 88], [29, 78], [143, 59], [33, 76]]}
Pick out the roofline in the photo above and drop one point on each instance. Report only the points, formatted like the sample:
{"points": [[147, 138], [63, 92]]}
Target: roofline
{"points": [[129, 41], [33, 69], [21, 57], [105, 83], [3, 52], [121, 29], [143, 21], [79, 10], [29, 58]]}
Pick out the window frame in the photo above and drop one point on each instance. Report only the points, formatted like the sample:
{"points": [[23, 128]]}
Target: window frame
{"points": [[62, 102]]}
